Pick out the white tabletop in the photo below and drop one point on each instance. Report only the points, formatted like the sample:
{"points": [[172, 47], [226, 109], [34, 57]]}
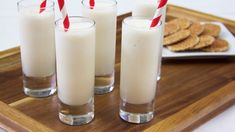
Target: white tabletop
{"points": [[223, 8]]}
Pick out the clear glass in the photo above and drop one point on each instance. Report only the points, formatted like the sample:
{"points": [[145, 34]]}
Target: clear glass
{"points": [[163, 19], [147, 8], [105, 15], [140, 59], [76, 70], [37, 44]]}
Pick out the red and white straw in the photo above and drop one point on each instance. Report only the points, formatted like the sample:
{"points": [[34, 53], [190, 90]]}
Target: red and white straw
{"points": [[158, 13], [43, 6], [92, 3], [64, 13]]}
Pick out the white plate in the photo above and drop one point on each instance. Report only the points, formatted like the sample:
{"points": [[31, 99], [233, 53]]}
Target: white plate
{"points": [[225, 34]]}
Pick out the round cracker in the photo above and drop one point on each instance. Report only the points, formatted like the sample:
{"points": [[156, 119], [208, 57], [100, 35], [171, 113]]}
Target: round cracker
{"points": [[219, 45], [176, 37], [186, 44], [204, 41], [171, 28], [182, 22], [196, 28], [211, 29]]}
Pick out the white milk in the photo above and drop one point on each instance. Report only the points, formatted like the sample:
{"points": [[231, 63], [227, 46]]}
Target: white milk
{"points": [[139, 60], [37, 41], [105, 18], [147, 8], [75, 56]]}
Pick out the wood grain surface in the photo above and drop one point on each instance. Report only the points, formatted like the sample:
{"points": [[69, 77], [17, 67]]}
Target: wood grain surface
{"points": [[13, 120], [196, 110], [188, 92]]}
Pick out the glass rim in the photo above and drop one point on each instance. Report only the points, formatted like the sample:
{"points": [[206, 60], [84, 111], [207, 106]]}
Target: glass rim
{"points": [[48, 6], [112, 5], [57, 22], [141, 18]]}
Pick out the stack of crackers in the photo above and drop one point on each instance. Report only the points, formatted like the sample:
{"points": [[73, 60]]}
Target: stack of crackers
{"points": [[184, 35]]}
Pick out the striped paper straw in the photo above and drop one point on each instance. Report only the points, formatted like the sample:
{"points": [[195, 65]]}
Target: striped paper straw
{"points": [[92, 3], [64, 13], [43, 6], [158, 13]]}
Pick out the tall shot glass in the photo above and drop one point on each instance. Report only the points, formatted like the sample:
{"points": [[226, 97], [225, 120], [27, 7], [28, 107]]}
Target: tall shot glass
{"points": [[105, 15], [37, 45], [140, 59], [147, 8], [75, 56]]}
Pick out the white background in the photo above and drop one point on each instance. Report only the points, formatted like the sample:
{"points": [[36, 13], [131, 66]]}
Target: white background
{"points": [[225, 122]]}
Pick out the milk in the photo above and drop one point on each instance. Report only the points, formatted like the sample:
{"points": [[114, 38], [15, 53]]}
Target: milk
{"points": [[37, 42], [104, 15], [140, 60], [75, 55], [146, 8]]}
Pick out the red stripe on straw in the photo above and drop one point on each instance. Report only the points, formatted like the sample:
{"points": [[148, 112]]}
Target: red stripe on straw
{"points": [[158, 13], [43, 6], [61, 4], [155, 21], [66, 22], [162, 3], [92, 3]]}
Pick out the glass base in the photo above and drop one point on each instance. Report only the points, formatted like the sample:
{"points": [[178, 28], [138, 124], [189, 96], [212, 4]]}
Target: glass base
{"points": [[136, 117], [76, 119], [39, 92], [104, 83], [103, 90], [39, 86]]}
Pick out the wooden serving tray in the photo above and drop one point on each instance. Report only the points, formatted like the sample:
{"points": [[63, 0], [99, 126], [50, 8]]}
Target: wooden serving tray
{"points": [[189, 93]]}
